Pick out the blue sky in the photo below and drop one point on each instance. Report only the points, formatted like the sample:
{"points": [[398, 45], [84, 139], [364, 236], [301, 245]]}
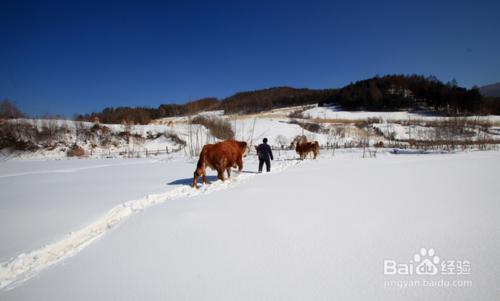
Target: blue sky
{"points": [[75, 57]]}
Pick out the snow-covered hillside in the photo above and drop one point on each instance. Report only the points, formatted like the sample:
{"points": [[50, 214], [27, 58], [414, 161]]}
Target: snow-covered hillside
{"points": [[334, 112], [327, 125], [309, 230]]}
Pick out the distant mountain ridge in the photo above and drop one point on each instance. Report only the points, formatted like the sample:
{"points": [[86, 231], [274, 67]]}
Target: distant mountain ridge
{"points": [[492, 90]]}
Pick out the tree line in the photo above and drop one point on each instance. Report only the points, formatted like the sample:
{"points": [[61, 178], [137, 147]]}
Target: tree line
{"points": [[387, 93], [243, 102], [396, 92]]}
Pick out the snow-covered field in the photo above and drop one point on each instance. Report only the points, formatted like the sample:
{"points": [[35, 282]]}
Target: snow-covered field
{"points": [[333, 112], [132, 229]]}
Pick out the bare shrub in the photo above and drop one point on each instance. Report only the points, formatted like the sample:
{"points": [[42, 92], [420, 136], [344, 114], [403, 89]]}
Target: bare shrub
{"points": [[81, 132], [75, 151], [50, 131], [175, 138], [282, 142], [19, 135], [309, 126], [367, 122], [97, 128], [392, 136], [297, 114], [194, 139], [313, 127], [218, 127]]}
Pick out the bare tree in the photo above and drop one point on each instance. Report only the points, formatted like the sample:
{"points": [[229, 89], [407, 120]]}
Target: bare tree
{"points": [[80, 132], [8, 110], [252, 132], [194, 138], [365, 141], [335, 133], [282, 141]]}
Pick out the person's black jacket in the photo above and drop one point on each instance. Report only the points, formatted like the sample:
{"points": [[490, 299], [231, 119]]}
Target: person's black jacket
{"points": [[264, 152]]}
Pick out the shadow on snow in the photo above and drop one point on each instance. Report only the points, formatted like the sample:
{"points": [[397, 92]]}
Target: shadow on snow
{"points": [[189, 181]]}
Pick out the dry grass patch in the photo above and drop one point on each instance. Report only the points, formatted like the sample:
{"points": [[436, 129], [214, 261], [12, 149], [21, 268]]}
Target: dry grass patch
{"points": [[76, 151]]}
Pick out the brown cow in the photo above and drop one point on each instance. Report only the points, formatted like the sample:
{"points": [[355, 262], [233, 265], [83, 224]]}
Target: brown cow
{"points": [[304, 148], [221, 157]]}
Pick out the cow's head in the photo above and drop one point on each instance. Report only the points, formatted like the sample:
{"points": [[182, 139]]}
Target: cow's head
{"points": [[244, 148]]}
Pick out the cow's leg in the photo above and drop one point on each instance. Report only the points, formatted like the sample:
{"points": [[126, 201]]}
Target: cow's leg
{"points": [[220, 174], [228, 172], [240, 165], [195, 179], [204, 178]]}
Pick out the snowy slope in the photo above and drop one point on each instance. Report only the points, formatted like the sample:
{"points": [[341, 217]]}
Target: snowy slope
{"points": [[319, 230], [336, 113], [333, 112], [254, 130]]}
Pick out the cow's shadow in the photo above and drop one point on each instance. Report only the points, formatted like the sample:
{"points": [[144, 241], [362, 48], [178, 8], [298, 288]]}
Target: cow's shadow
{"points": [[189, 181]]}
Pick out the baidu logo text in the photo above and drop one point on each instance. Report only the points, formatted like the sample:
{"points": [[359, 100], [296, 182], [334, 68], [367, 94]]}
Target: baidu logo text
{"points": [[427, 262]]}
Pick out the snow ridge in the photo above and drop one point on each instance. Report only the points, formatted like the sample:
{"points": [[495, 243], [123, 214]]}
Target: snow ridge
{"points": [[24, 266]]}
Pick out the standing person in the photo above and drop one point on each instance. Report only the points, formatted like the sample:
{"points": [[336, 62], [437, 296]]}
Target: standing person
{"points": [[265, 153]]}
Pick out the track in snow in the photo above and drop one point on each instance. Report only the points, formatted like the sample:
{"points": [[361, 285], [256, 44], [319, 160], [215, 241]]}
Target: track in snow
{"points": [[24, 266]]}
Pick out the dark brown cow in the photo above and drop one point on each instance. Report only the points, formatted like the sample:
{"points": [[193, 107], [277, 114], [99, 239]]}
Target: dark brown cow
{"points": [[304, 148], [221, 157]]}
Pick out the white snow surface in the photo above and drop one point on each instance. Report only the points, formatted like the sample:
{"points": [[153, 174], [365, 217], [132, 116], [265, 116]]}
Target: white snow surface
{"points": [[309, 230], [254, 130], [334, 112], [52, 198]]}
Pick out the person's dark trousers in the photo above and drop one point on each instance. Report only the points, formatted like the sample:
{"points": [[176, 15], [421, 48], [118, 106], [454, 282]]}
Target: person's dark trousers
{"points": [[268, 164]]}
